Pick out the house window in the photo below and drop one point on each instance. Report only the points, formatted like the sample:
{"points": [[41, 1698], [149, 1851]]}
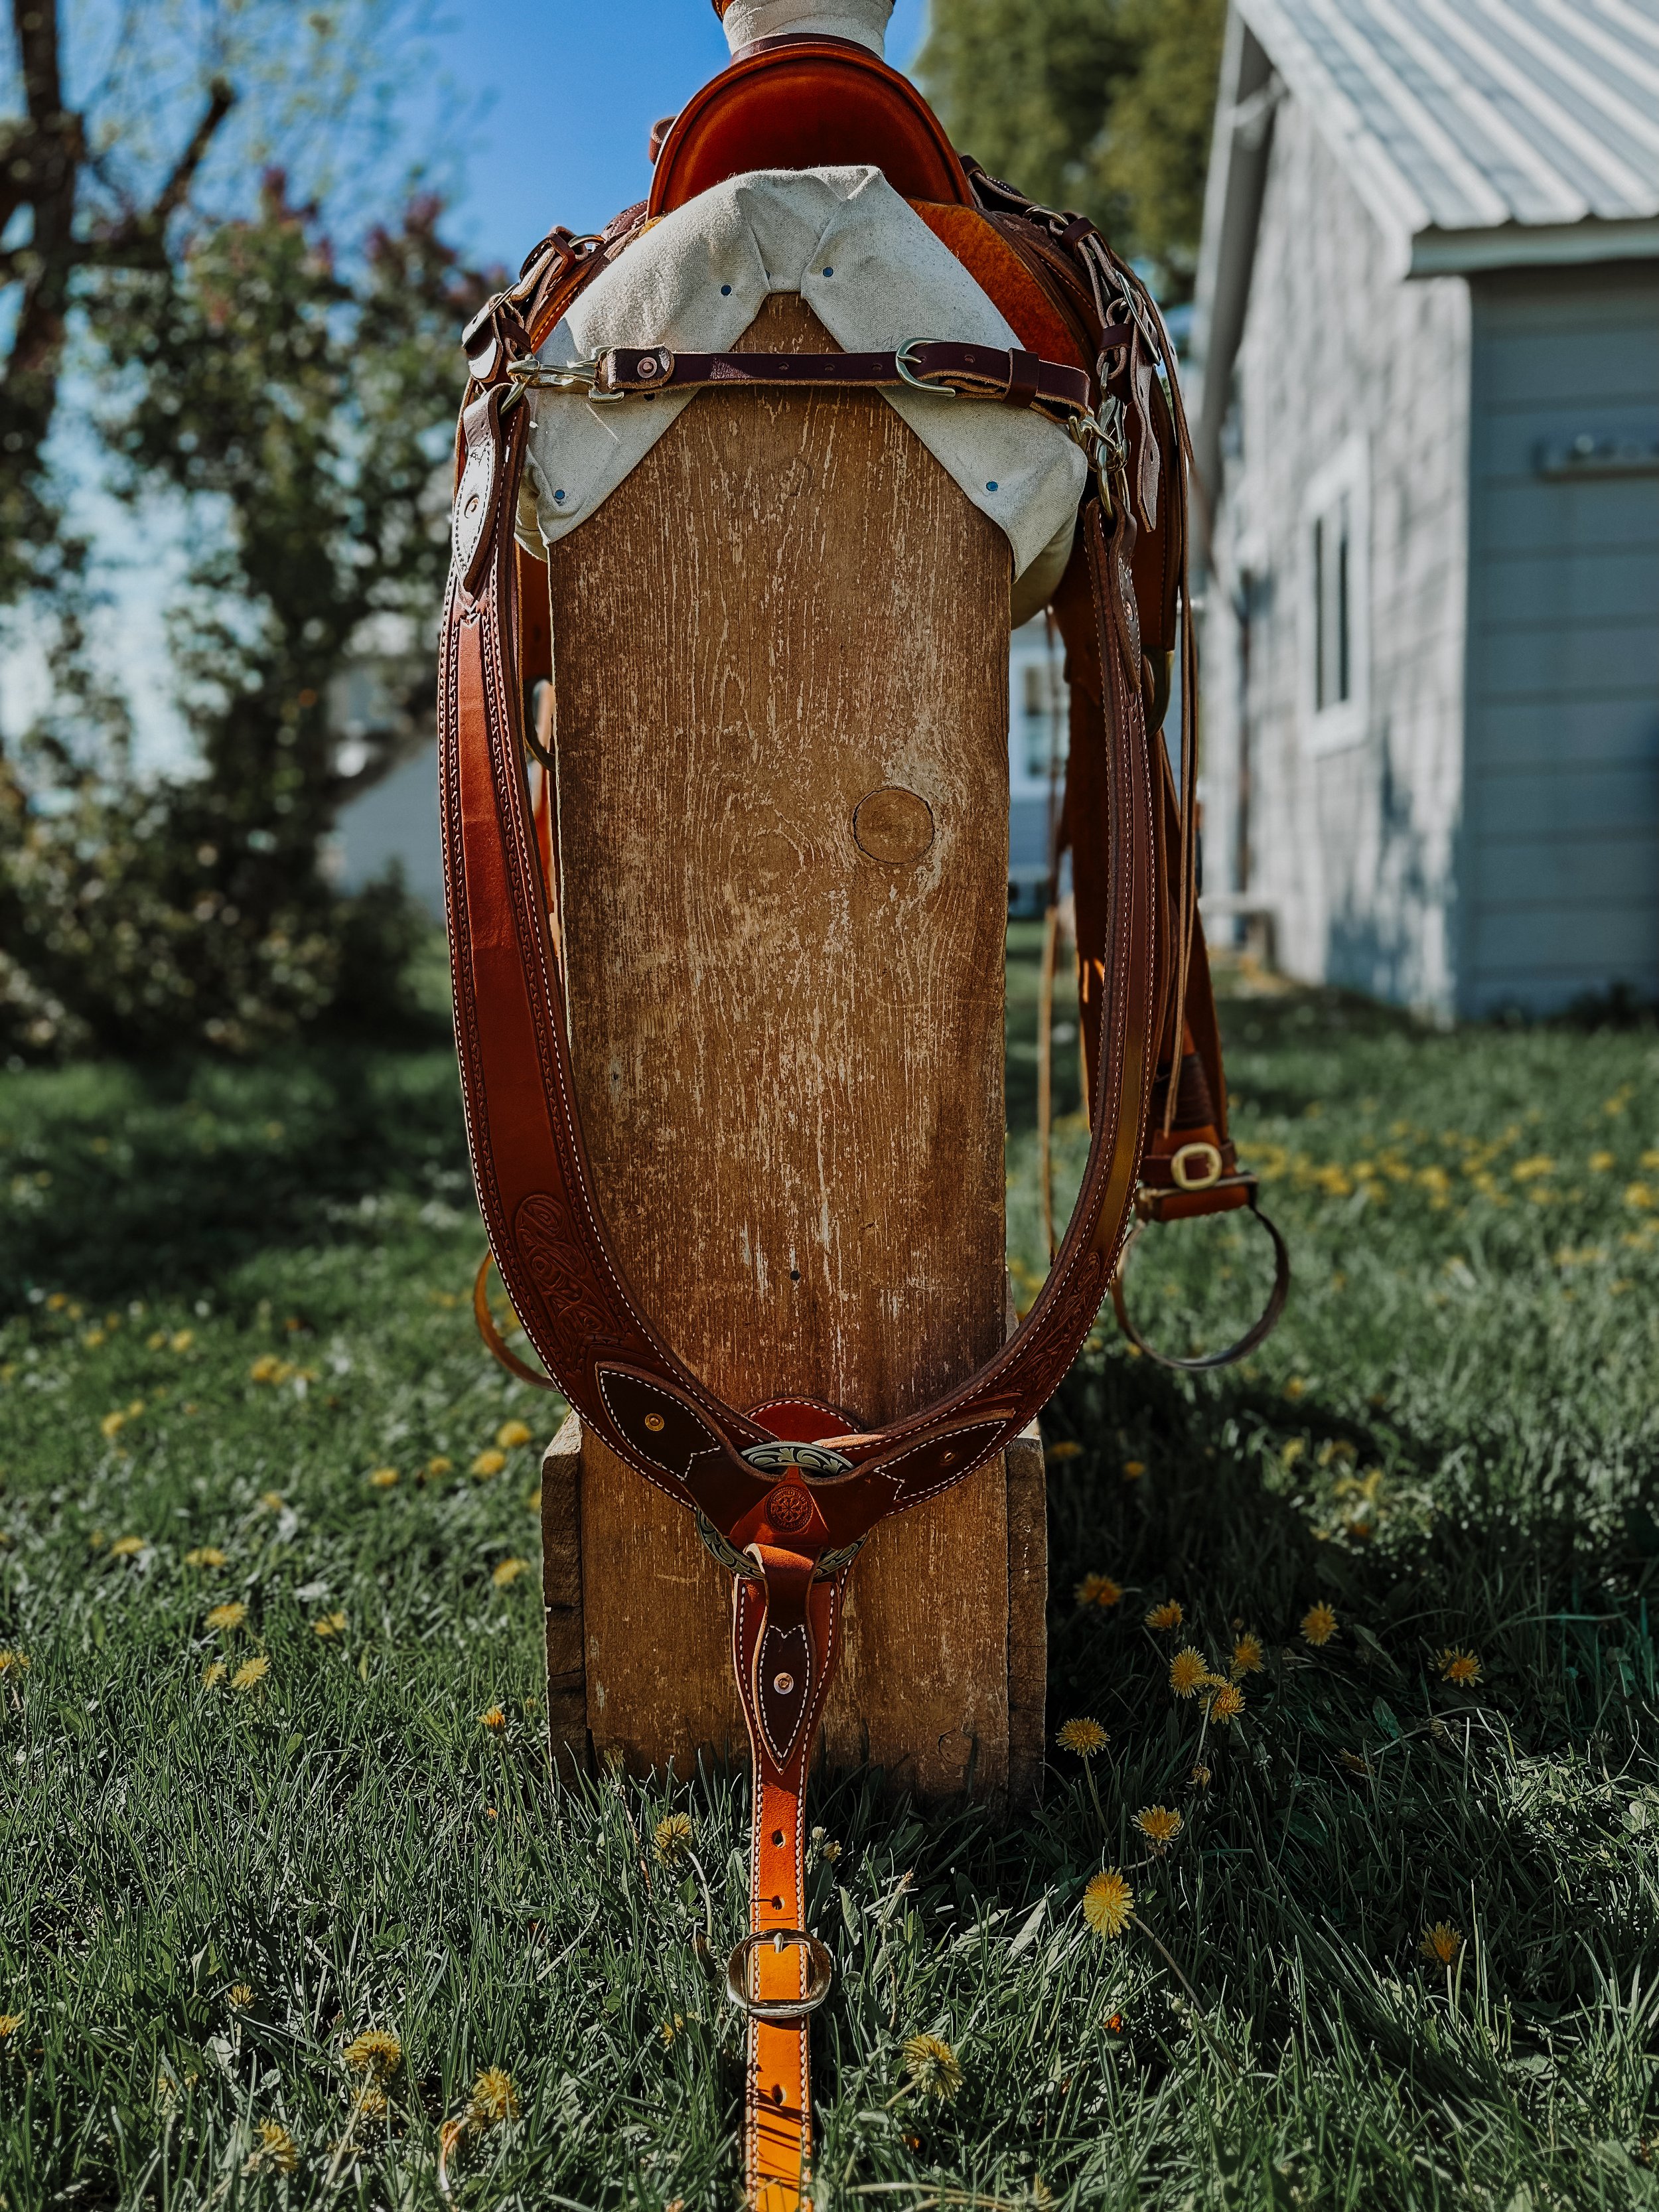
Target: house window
{"points": [[1336, 599]]}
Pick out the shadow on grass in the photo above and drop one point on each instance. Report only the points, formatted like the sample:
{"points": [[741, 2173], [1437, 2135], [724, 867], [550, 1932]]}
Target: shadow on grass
{"points": [[128, 1181]]}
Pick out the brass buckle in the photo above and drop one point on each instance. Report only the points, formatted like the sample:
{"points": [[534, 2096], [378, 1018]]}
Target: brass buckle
{"points": [[908, 375], [780, 2012], [1195, 1166]]}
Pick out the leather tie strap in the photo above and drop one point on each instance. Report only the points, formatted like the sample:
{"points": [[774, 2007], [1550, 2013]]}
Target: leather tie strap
{"points": [[942, 367]]}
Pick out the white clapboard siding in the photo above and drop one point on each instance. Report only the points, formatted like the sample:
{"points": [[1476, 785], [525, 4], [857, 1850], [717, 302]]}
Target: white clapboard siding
{"points": [[1560, 872]]}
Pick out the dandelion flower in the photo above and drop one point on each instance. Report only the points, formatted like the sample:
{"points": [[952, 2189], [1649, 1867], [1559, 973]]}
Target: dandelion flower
{"points": [[205, 1555], [271, 1500], [1199, 1777], [230, 1615], [329, 1624], [494, 1718], [377, 2052], [126, 1548], [1167, 1615], [1064, 1448], [1443, 1943], [488, 1463], [1227, 1705], [1159, 1826], [240, 1996], [13, 1661], [507, 1571], [267, 1368], [1247, 1656], [213, 1673], [112, 1424], [1318, 1623], [438, 1466], [671, 2028], [933, 2068], [511, 1434], [1133, 1469], [1097, 1589], [1085, 1737], [673, 1836], [1108, 1904], [383, 1478], [1296, 1387], [9, 2024], [372, 2104], [494, 2098], [1462, 1668], [1356, 1763], [1189, 1671], [181, 1339], [277, 2150], [251, 1673]]}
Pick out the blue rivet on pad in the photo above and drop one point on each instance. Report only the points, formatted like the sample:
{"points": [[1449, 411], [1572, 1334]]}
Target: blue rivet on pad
{"points": [[829, 272], [557, 496], [725, 291], [989, 487]]}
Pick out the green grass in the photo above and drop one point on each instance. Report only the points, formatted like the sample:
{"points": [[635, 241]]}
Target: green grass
{"points": [[1452, 1441]]}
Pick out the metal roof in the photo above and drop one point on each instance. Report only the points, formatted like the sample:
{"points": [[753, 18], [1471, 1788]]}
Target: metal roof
{"points": [[1460, 116]]}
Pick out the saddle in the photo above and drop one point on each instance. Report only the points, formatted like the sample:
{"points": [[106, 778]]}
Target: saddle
{"points": [[786, 1493]]}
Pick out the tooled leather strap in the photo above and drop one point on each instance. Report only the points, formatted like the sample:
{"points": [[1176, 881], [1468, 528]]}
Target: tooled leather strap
{"points": [[973, 372], [535, 1190], [786, 1632]]}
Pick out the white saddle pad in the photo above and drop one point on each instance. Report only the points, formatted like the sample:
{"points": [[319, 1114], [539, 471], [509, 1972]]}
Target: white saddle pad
{"points": [[876, 277]]}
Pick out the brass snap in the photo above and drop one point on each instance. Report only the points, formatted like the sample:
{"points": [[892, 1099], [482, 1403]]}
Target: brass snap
{"points": [[783, 1684], [655, 1422]]}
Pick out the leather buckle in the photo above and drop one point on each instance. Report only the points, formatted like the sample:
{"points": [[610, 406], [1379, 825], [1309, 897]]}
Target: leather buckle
{"points": [[780, 2012], [1195, 1166], [918, 383]]}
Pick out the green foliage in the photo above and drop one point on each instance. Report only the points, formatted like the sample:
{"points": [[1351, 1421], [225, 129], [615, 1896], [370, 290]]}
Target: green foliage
{"points": [[1103, 105], [304, 413], [206, 1892]]}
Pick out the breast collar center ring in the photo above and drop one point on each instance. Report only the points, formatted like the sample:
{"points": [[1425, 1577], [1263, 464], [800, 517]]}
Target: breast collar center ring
{"points": [[777, 1455]]}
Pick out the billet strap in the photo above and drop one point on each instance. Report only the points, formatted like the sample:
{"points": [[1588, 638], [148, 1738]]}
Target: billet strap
{"points": [[943, 367]]}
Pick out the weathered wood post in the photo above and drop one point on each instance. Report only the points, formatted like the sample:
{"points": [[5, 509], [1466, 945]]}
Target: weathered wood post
{"points": [[779, 654]]}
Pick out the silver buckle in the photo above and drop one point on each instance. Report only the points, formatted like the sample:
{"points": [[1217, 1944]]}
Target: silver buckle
{"points": [[533, 374], [780, 2012], [901, 363]]}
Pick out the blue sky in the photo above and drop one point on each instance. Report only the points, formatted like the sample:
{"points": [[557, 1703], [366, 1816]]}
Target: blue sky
{"points": [[573, 90]]}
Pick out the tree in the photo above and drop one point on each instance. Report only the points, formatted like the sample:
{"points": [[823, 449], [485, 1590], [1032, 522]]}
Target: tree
{"points": [[1100, 106]]}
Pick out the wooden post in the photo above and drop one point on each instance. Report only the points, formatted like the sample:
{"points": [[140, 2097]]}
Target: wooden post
{"points": [[780, 658]]}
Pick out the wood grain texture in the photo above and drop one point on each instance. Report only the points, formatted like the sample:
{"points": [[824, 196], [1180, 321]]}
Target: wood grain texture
{"points": [[788, 1051]]}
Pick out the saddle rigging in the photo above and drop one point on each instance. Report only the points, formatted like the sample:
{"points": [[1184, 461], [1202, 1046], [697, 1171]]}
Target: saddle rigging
{"points": [[785, 1493]]}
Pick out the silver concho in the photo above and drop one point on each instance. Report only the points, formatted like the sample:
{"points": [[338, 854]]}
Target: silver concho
{"points": [[777, 1455]]}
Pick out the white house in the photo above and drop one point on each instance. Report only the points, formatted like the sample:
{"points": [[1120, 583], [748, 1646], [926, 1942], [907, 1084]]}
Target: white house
{"points": [[1426, 418]]}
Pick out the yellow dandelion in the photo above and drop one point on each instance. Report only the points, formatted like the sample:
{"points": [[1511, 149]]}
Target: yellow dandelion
{"points": [[230, 1615], [1166, 1615], [1227, 1705], [271, 1500], [1133, 1469], [494, 1718], [1159, 1826], [673, 1836], [1356, 1763], [383, 1478], [113, 1424], [512, 1434], [1084, 1736], [1462, 1668], [933, 2068], [251, 1673], [1318, 1623], [438, 1466], [488, 1463], [1296, 1387], [1063, 1447], [205, 1555], [1247, 1656], [671, 2028], [376, 2052], [181, 1339], [267, 1368], [13, 1661], [92, 1338], [329, 1624], [238, 1997], [1443, 1943], [1199, 1777], [1189, 1671], [1638, 1197], [1108, 1904], [126, 1548], [214, 1673], [1097, 1589], [9, 2024], [372, 2104], [494, 2098], [277, 2150], [506, 1571]]}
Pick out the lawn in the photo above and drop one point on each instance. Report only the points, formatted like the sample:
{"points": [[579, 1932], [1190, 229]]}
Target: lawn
{"points": [[271, 1731]]}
